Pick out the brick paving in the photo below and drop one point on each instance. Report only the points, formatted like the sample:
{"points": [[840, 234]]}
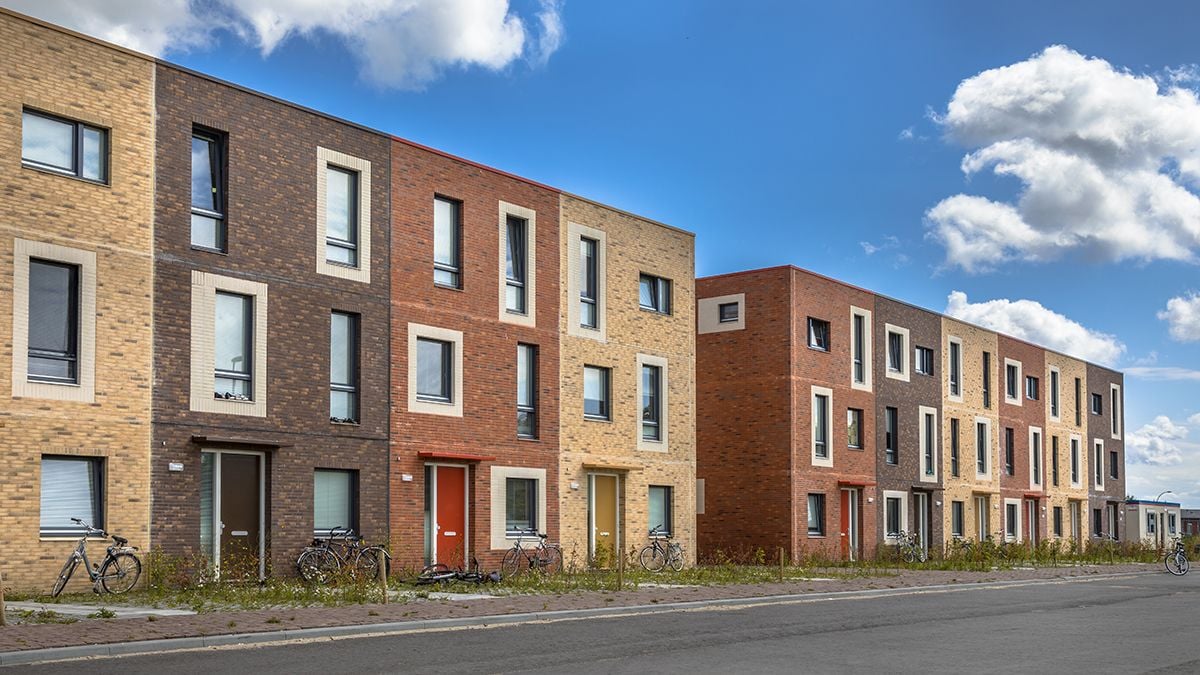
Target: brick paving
{"points": [[106, 631]]}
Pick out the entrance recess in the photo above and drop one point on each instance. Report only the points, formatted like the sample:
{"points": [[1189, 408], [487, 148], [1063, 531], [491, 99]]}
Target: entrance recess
{"points": [[604, 515], [232, 503], [446, 503], [849, 526], [921, 503], [1031, 520]]}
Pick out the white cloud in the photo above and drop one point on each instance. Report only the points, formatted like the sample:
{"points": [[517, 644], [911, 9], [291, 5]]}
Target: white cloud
{"points": [[1194, 420], [1166, 373], [905, 134], [1156, 442], [1030, 321], [1108, 163], [1183, 317], [1162, 456], [404, 44]]}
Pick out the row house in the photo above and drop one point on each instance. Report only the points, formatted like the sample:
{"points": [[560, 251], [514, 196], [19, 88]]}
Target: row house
{"points": [[1105, 456], [1022, 433]]}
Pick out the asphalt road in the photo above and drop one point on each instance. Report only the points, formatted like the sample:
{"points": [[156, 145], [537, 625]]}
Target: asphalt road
{"points": [[1146, 623]]}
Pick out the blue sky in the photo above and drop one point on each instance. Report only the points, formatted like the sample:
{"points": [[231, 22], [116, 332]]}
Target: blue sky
{"points": [[795, 132]]}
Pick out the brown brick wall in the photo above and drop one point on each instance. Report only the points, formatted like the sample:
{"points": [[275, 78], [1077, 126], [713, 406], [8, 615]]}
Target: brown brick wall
{"points": [[1099, 380], [1020, 418]]}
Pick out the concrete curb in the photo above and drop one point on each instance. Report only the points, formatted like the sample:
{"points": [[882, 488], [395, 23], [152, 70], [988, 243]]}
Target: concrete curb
{"points": [[31, 656]]}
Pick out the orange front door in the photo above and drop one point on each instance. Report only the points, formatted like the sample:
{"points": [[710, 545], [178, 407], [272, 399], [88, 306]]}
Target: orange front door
{"points": [[844, 517], [451, 515]]}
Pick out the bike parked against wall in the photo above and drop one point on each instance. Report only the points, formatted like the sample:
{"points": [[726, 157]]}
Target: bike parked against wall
{"points": [[656, 555], [326, 557], [117, 573], [545, 558], [908, 546]]}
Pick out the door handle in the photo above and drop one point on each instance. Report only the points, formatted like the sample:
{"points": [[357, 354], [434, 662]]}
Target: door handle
{"points": [[449, 533], [603, 534]]}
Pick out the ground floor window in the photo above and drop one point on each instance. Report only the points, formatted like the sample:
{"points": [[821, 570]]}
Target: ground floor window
{"points": [[1010, 521], [956, 519], [660, 508], [1058, 521], [893, 509], [981, 518], [335, 501], [520, 504], [816, 515], [72, 487]]}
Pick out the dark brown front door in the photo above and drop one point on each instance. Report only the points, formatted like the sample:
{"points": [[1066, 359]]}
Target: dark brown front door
{"points": [[239, 513]]}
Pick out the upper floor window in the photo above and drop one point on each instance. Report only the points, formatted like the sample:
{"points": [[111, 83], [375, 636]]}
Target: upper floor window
{"points": [[854, 427], [515, 265], [1097, 404], [435, 370], [1075, 461], [891, 439], [343, 367], [818, 334], [1012, 376], [654, 293], [897, 347], [596, 392], [955, 369], [589, 285], [858, 352], [1009, 452], [929, 443], [341, 216], [208, 190], [1054, 407], [987, 380], [526, 391], [981, 448], [1113, 462], [651, 403], [821, 426], [233, 347], [447, 242], [924, 364], [1031, 388], [727, 312], [53, 322], [1078, 403], [64, 146], [954, 447]]}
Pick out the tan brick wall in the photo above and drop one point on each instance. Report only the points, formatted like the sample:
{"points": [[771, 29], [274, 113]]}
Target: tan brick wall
{"points": [[74, 77], [1063, 429], [633, 246]]}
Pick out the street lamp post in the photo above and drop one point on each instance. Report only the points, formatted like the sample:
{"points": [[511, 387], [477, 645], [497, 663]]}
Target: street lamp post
{"points": [[1162, 520]]}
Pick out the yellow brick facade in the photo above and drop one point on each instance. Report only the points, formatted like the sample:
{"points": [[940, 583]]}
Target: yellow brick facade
{"points": [[970, 409], [1064, 428], [73, 77], [626, 336]]}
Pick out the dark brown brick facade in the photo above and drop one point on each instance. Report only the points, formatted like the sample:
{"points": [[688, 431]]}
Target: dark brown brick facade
{"points": [[1100, 381]]}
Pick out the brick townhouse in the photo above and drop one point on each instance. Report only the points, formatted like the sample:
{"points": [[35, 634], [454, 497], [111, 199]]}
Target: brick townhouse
{"points": [[1105, 452], [271, 348], [76, 216], [1022, 438], [627, 464], [1065, 447]]}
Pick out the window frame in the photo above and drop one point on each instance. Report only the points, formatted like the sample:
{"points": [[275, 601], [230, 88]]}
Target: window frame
{"points": [[928, 439], [74, 320], [97, 474], [954, 362], [862, 349], [983, 448], [218, 167], [1013, 381], [427, 405], [589, 278], [78, 128], [1098, 464], [360, 271], [353, 217], [353, 495], [205, 287], [1010, 451], [892, 370], [657, 285], [816, 507], [1057, 515], [1097, 405], [819, 334], [668, 493], [854, 420], [651, 374], [532, 504], [923, 361], [453, 268], [518, 251], [661, 443], [723, 318], [248, 339], [1054, 395], [447, 367], [901, 500], [955, 467], [605, 390], [1036, 458], [1033, 388], [1054, 457], [957, 518], [824, 423], [354, 346], [1113, 462], [1076, 475], [891, 435], [529, 408]]}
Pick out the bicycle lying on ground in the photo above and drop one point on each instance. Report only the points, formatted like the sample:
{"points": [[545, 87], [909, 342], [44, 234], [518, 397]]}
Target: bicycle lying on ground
{"points": [[656, 555], [118, 572], [909, 548], [1176, 560], [441, 573], [544, 558], [321, 561]]}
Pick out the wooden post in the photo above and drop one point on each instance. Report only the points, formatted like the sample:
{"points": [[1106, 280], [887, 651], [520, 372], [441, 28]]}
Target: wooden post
{"points": [[381, 572], [620, 571], [3, 617], [782, 562]]}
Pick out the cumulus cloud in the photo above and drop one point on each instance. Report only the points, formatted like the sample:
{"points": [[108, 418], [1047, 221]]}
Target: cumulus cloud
{"points": [[404, 44], [1108, 163], [1030, 321], [1165, 373], [1156, 442], [1183, 317]]}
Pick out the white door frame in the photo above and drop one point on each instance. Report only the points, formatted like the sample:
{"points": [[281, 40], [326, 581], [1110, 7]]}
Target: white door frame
{"points": [[852, 500], [1031, 513], [436, 528], [921, 500], [218, 526], [592, 513]]}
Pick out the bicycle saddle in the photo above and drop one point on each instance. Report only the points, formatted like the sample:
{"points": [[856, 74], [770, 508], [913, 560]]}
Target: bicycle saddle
{"points": [[121, 541]]}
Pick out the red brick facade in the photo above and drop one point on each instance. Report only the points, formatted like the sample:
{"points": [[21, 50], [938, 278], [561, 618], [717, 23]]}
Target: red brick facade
{"points": [[1031, 413]]}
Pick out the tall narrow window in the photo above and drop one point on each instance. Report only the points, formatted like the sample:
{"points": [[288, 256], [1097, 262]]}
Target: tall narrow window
{"points": [[588, 283], [1010, 381], [818, 334], [854, 427], [891, 434], [596, 392], [1054, 460], [956, 519], [654, 293], [1115, 410], [955, 369], [1054, 408], [1031, 388], [987, 380], [927, 451], [515, 271], [447, 242], [435, 370], [983, 530], [820, 425], [659, 508], [208, 190], [981, 448], [1009, 452], [895, 353], [1078, 403], [1010, 521], [816, 515], [859, 327], [1035, 453], [1058, 521], [341, 216], [954, 447], [527, 364], [1098, 469], [651, 403], [234, 349], [71, 487], [64, 146], [343, 367], [892, 516], [53, 322], [924, 363], [1113, 463], [1075, 460]]}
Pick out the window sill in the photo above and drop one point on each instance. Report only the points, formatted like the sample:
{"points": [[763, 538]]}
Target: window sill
{"points": [[346, 424], [205, 249], [63, 174], [815, 535], [446, 287], [591, 418], [528, 439], [854, 447], [817, 349], [247, 401], [57, 383], [650, 310], [515, 312], [435, 401]]}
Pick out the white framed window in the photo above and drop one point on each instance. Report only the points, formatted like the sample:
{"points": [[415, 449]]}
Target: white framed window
{"points": [[821, 420], [983, 448], [229, 345], [1076, 459], [54, 322], [1055, 395], [587, 286], [1012, 382], [954, 361], [983, 528], [343, 216], [1098, 464], [895, 515], [897, 362], [71, 487], [1012, 519], [861, 349], [1114, 410], [721, 313], [653, 422], [928, 435], [435, 370], [517, 281], [1037, 458], [518, 499]]}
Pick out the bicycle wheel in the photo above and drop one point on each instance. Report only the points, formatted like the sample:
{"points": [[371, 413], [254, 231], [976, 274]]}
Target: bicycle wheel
{"points": [[318, 565], [1176, 563], [910, 556], [676, 558], [652, 558], [367, 563], [64, 576], [438, 573], [120, 573], [511, 565], [549, 560], [922, 555]]}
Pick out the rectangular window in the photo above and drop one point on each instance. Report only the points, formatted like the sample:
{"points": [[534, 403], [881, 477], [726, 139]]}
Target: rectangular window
{"points": [[1115, 410], [520, 504], [1058, 521], [820, 425], [954, 447], [1112, 465], [1078, 407], [1010, 521], [341, 216], [1054, 460], [1171, 525], [1098, 521], [447, 242], [1097, 404], [854, 427], [956, 519], [64, 146], [727, 312], [53, 322], [955, 369], [1054, 408], [1075, 460], [818, 334], [1009, 452], [71, 487], [892, 511], [981, 448], [208, 190], [816, 515], [858, 327], [660, 508], [987, 380], [527, 365], [589, 286], [927, 451], [515, 265], [596, 392], [234, 348], [343, 367], [1031, 388], [1099, 468], [435, 374], [924, 363], [1035, 453], [895, 352], [654, 294], [983, 529], [891, 441], [1010, 381], [335, 500], [651, 403]]}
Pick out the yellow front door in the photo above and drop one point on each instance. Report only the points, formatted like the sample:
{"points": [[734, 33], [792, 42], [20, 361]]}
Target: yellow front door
{"points": [[605, 534]]}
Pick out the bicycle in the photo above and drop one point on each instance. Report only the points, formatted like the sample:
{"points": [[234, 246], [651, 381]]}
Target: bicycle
{"points": [[961, 548], [909, 548], [1176, 561], [441, 573], [322, 560], [117, 574], [545, 558], [655, 555]]}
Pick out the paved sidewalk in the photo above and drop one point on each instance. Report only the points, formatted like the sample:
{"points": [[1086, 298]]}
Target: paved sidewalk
{"points": [[108, 631]]}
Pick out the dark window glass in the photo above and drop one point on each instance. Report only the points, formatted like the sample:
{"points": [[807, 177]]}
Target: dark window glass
{"points": [[1010, 380], [208, 190], [1010, 521], [1078, 403], [1009, 452], [956, 519], [954, 447], [71, 487], [335, 500], [1074, 460], [1113, 409], [854, 427], [892, 511], [596, 392], [53, 322], [860, 374], [987, 380], [1054, 460], [343, 367], [821, 425], [447, 242], [818, 334], [929, 441], [520, 504], [925, 361], [728, 312], [1113, 463], [1031, 388], [515, 265], [1098, 521], [1058, 521], [955, 369], [589, 287], [1054, 393], [234, 348], [1035, 451], [341, 216], [816, 515], [654, 293], [981, 448], [64, 146], [891, 434], [435, 370], [895, 353], [527, 391], [651, 403], [660, 508]]}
